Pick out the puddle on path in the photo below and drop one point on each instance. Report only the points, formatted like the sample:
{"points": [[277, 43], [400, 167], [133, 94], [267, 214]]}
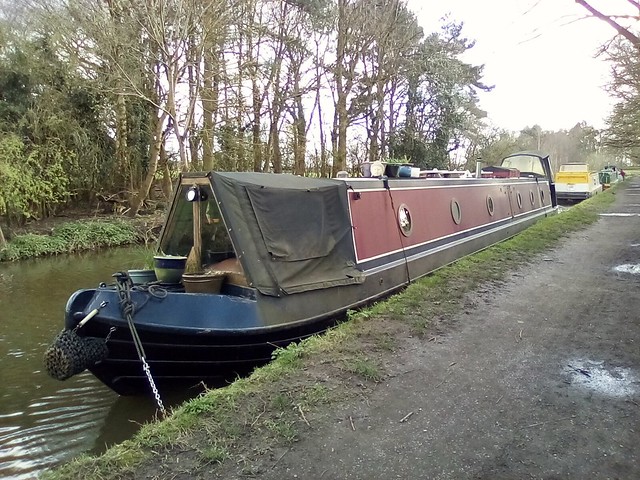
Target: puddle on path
{"points": [[632, 268], [596, 376]]}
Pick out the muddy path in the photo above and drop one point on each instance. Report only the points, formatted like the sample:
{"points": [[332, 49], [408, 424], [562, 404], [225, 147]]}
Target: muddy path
{"points": [[539, 377]]}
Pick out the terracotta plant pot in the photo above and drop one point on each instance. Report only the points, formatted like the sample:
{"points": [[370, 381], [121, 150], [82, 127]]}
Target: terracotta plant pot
{"points": [[203, 282]]}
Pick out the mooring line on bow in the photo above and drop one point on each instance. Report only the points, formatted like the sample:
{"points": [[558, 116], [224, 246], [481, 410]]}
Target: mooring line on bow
{"points": [[123, 286]]}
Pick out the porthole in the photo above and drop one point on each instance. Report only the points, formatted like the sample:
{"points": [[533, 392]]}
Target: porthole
{"points": [[532, 197], [490, 206], [456, 212], [519, 200], [542, 196], [404, 220]]}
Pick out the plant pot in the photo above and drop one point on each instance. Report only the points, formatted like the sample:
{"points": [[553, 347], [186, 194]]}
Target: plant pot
{"points": [[365, 169], [169, 268], [392, 170], [138, 277], [203, 282]]}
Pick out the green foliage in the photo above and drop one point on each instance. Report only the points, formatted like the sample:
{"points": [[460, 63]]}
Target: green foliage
{"points": [[441, 100], [289, 356], [32, 178], [623, 133], [70, 237], [50, 120]]}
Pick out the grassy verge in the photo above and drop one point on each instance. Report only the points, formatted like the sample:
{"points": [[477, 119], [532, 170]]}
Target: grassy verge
{"points": [[245, 423], [72, 237]]}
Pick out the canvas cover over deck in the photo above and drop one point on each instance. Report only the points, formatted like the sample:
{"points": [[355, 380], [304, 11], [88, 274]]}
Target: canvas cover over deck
{"points": [[291, 234]]}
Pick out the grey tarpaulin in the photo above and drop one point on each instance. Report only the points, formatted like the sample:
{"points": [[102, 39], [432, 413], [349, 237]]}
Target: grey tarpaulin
{"points": [[292, 234]]}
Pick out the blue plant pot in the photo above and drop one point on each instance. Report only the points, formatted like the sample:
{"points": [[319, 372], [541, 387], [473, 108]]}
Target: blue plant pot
{"points": [[138, 277], [169, 268]]}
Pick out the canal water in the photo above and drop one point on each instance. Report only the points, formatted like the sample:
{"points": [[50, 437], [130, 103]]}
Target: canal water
{"points": [[45, 422]]}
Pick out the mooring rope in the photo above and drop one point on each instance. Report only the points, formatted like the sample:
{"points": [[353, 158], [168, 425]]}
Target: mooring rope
{"points": [[127, 307]]}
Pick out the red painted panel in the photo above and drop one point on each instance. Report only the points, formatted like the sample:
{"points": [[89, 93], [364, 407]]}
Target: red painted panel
{"points": [[376, 229]]}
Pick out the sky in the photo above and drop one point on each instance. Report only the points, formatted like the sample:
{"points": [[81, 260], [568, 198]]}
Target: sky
{"points": [[538, 54]]}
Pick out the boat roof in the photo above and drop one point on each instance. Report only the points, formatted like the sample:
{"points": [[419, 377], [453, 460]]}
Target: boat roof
{"points": [[529, 153], [291, 233]]}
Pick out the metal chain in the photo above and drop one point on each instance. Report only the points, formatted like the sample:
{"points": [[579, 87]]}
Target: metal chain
{"points": [[156, 394], [111, 330], [124, 285]]}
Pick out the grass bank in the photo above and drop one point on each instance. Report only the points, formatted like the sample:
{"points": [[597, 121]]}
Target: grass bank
{"points": [[247, 422], [80, 235]]}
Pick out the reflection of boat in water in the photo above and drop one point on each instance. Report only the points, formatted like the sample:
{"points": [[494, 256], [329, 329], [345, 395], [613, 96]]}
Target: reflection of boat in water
{"points": [[610, 175], [295, 253], [575, 181]]}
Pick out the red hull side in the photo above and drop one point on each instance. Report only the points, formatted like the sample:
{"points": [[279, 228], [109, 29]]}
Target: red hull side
{"points": [[374, 212]]}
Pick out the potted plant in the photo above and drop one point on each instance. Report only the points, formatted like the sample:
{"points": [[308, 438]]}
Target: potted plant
{"points": [[392, 166]]}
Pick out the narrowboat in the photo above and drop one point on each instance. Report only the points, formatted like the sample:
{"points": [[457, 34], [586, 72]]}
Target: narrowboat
{"points": [[291, 255], [610, 175], [576, 181]]}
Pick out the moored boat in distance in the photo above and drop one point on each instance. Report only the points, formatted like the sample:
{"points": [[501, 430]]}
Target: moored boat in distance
{"points": [[576, 181], [295, 254], [610, 175]]}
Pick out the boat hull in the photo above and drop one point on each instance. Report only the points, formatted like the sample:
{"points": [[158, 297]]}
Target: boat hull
{"points": [[219, 347]]}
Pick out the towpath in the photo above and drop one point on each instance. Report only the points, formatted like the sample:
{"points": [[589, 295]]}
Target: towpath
{"points": [[539, 378]]}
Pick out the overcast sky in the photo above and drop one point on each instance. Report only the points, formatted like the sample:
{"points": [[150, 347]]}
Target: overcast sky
{"points": [[539, 54]]}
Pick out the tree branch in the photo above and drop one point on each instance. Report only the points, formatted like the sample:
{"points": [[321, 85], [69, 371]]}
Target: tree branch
{"points": [[619, 28]]}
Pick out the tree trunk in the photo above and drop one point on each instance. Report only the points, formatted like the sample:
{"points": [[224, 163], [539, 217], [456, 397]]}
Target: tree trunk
{"points": [[211, 81], [167, 184], [300, 135], [121, 142], [145, 187], [3, 241], [255, 127]]}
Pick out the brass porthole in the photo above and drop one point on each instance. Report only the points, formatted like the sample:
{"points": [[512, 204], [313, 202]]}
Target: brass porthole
{"points": [[519, 200], [490, 206], [404, 220], [456, 212], [532, 197]]}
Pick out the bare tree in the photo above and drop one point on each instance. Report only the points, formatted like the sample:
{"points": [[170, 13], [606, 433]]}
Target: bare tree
{"points": [[610, 19]]}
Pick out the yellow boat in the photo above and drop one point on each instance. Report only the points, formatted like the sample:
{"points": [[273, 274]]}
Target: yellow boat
{"points": [[575, 181]]}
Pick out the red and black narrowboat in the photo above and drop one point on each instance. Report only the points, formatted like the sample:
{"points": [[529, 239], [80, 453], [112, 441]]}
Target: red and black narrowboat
{"points": [[294, 254]]}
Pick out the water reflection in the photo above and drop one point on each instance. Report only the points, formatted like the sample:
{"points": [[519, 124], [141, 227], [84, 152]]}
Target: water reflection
{"points": [[44, 421]]}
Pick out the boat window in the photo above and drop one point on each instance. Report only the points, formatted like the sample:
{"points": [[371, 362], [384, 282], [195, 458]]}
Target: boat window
{"points": [[490, 206], [527, 164], [456, 212], [574, 167], [404, 220], [178, 235], [216, 244], [177, 238]]}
